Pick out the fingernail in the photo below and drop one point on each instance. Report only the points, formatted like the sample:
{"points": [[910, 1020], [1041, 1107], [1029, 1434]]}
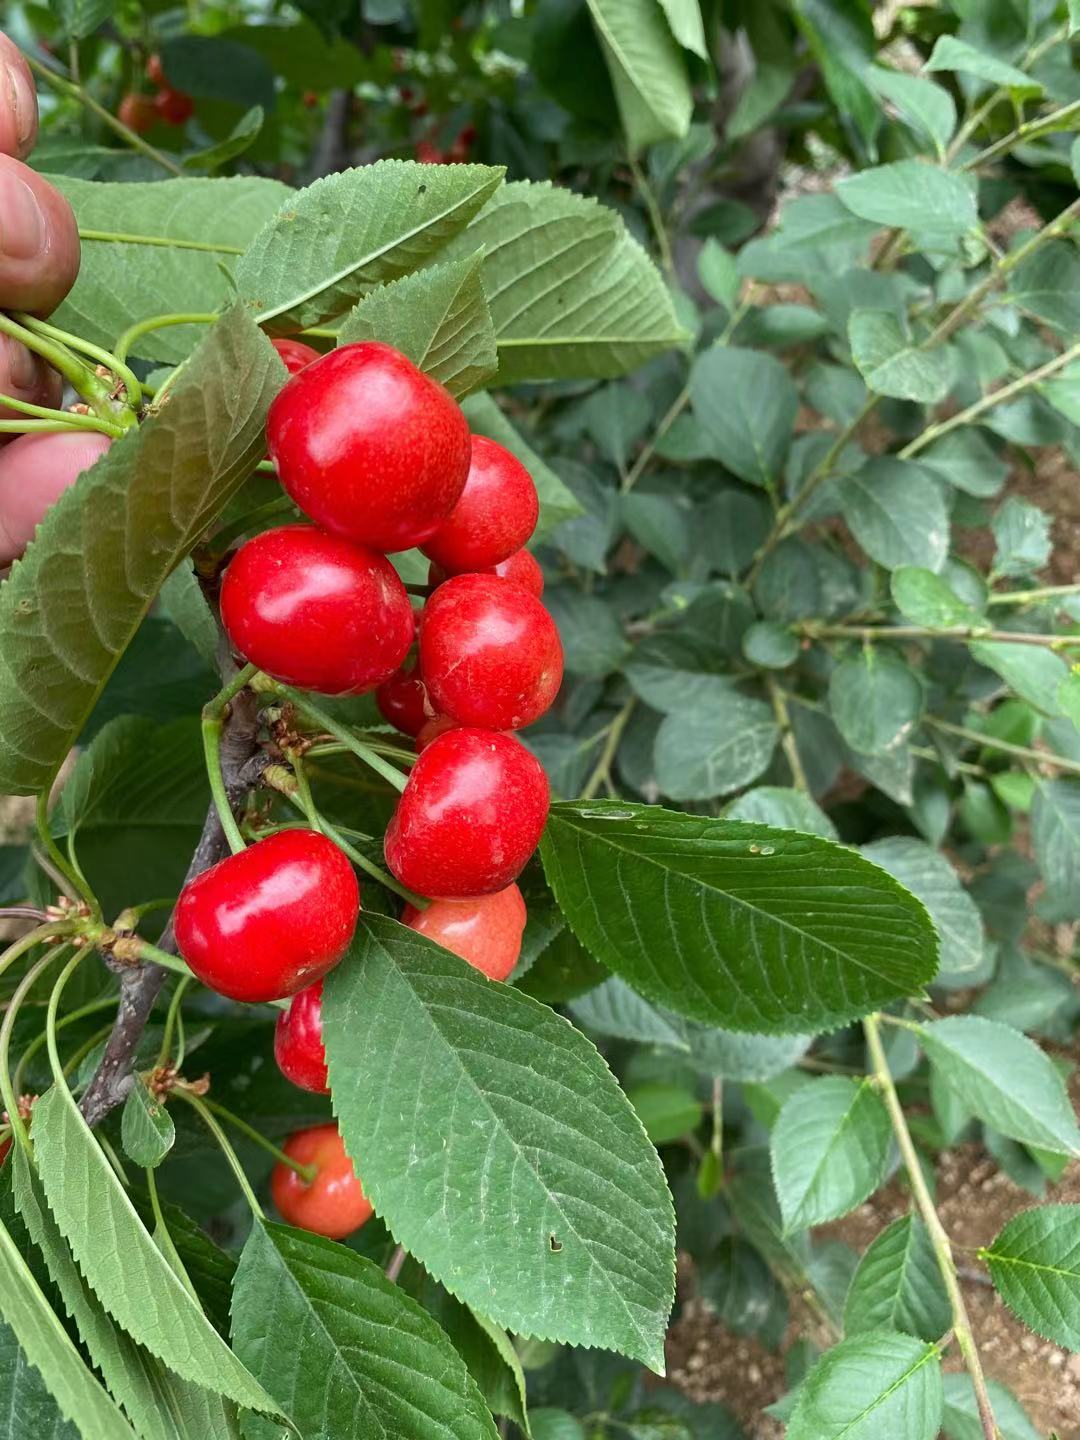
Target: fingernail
{"points": [[22, 366], [22, 225], [23, 104]]}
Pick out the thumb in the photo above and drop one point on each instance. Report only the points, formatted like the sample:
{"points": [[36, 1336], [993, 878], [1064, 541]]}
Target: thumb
{"points": [[34, 471]]}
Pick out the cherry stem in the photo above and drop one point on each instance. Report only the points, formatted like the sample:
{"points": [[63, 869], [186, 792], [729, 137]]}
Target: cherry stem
{"points": [[158, 322], [7, 1088], [397, 1260], [307, 1173], [317, 716], [93, 1008], [50, 1017], [132, 385], [151, 953], [203, 1111], [359, 859], [23, 912], [65, 418], [213, 722], [56, 857], [171, 1018], [74, 370], [223, 539]]}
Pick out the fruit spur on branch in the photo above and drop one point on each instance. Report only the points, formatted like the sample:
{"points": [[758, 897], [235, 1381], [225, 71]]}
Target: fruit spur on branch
{"points": [[379, 458]]}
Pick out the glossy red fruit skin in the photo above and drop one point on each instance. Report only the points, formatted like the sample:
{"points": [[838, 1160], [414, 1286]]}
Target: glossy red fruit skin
{"points": [[369, 446], [486, 930], [490, 653], [137, 112], [495, 516], [470, 816], [316, 611], [270, 921], [403, 702], [521, 568], [295, 355], [174, 107], [432, 729], [334, 1204], [298, 1042]]}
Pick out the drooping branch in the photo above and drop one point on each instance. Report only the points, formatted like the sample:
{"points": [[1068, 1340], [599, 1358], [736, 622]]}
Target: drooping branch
{"points": [[140, 985]]}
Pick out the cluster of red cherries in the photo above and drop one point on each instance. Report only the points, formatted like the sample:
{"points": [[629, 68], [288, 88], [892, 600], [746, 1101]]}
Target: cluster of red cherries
{"points": [[380, 457], [139, 112]]}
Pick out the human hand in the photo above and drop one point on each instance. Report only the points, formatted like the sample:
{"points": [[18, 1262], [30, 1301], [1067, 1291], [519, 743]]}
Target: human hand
{"points": [[39, 260]]}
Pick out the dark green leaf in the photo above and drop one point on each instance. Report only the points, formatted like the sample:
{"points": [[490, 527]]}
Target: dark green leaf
{"points": [[1035, 1267], [668, 1112], [876, 700], [896, 512], [446, 1045], [931, 878], [758, 929], [786, 809], [557, 502], [372, 1361], [925, 599], [891, 364], [961, 1418], [646, 67], [898, 1285], [711, 750], [1055, 832], [747, 403], [912, 195]]}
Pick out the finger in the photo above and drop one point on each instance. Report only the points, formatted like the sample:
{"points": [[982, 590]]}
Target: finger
{"points": [[18, 103], [25, 376], [39, 241], [34, 471]]}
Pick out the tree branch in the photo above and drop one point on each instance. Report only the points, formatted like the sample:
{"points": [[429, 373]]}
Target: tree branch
{"points": [[242, 762]]}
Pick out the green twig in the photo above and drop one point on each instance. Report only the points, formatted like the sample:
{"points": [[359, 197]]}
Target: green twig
{"points": [[113, 363], [171, 1017], [158, 322], [165, 242], [1033, 597], [602, 770], [938, 1236], [788, 742], [1029, 130], [117, 126], [66, 418], [58, 858], [990, 742], [870, 633], [213, 721], [317, 716], [307, 1173]]}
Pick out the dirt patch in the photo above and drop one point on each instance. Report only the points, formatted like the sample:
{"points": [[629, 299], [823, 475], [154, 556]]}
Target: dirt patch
{"points": [[974, 1199]]}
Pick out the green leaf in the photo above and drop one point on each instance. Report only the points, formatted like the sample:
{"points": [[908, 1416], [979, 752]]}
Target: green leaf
{"points": [[125, 1269], [706, 751], [160, 1404], [577, 1238], [870, 1386], [892, 364], [122, 282], [770, 645], [1004, 1079], [925, 599], [372, 1361], [73, 603], [572, 295], [668, 1112], [438, 317], [876, 700], [147, 1128], [646, 67], [784, 808], [557, 502], [897, 513], [719, 273], [927, 107], [961, 1418], [931, 878], [1035, 1266], [550, 1424], [1035, 673], [243, 135], [47, 1347], [842, 42], [747, 402], [81, 18], [1022, 541], [181, 599], [592, 638], [967, 460], [1046, 284], [898, 1285], [684, 17], [830, 1148], [1055, 833], [614, 1009], [912, 195], [25, 1398], [950, 53], [332, 242], [735, 924]]}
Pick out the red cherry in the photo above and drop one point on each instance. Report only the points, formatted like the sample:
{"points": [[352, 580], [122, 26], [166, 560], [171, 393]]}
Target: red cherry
{"points": [[432, 729], [369, 446], [316, 611], [174, 107], [270, 921], [490, 653], [310, 99], [520, 569], [495, 516], [295, 354], [298, 1042], [137, 112], [486, 931], [429, 154], [5, 1146], [402, 700], [334, 1203], [470, 815], [155, 72]]}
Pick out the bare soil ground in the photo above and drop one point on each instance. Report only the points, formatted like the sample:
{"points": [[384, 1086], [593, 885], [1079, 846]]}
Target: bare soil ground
{"points": [[974, 1200]]}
